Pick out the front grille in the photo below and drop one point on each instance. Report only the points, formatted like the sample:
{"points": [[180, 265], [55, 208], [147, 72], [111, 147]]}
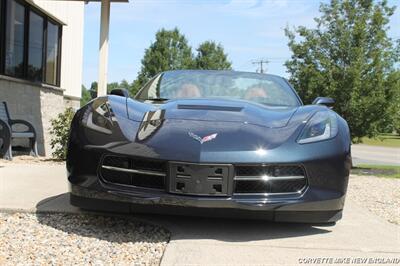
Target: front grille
{"points": [[271, 170], [201, 179], [288, 186], [251, 186], [127, 171], [269, 179], [116, 177], [116, 161]]}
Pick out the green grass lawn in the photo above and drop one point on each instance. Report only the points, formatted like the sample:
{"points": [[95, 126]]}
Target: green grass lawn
{"points": [[386, 140], [390, 171]]}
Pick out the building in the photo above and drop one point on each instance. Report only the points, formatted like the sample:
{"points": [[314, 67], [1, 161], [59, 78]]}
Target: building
{"points": [[41, 57]]}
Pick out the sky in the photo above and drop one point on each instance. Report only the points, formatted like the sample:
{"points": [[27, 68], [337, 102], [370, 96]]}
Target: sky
{"points": [[249, 30]]}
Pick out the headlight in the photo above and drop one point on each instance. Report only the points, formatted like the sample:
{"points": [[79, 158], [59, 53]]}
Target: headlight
{"points": [[99, 117], [323, 125]]}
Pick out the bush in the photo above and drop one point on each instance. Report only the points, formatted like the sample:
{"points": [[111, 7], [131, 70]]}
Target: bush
{"points": [[60, 132]]}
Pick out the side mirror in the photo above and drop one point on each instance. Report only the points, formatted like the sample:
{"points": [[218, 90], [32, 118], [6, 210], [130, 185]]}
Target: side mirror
{"points": [[120, 92], [327, 101]]}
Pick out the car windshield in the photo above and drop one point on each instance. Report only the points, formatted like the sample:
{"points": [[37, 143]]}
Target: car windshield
{"points": [[260, 88]]}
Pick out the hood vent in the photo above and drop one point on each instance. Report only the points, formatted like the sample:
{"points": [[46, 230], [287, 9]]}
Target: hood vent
{"points": [[210, 107]]}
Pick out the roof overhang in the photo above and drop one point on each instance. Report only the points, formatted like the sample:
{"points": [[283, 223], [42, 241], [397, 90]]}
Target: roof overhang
{"points": [[44, 11], [87, 1]]}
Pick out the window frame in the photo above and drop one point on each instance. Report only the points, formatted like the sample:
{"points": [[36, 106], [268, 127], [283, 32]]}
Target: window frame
{"points": [[2, 35], [59, 41], [43, 45], [46, 19]]}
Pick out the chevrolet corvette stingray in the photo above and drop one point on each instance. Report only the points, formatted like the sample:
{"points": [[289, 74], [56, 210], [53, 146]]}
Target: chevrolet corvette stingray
{"points": [[211, 143]]}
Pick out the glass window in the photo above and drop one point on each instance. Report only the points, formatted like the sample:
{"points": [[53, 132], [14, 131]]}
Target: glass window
{"points": [[14, 48], [35, 47], [29, 43], [265, 89], [52, 53], [1, 36]]}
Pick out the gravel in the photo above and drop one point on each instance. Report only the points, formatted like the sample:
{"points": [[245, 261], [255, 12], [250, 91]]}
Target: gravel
{"points": [[25, 159], [378, 194], [66, 239]]}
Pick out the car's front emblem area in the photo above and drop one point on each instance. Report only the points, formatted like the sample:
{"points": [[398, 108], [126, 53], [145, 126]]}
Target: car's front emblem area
{"points": [[204, 139]]}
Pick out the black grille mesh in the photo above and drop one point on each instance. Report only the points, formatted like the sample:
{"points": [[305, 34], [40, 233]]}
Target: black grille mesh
{"points": [[149, 165], [116, 177], [252, 186], [270, 170], [115, 161], [288, 171], [133, 179], [149, 181], [287, 186], [269, 186]]}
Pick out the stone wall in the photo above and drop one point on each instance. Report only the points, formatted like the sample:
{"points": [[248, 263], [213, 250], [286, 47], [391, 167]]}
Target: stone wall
{"points": [[35, 103], [70, 101]]}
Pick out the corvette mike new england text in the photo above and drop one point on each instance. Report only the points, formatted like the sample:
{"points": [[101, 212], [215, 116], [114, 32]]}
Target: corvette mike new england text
{"points": [[350, 260]]}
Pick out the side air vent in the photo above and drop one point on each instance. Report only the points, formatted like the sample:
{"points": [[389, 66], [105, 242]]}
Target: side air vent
{"points": [[210, 107], [127, 171]]}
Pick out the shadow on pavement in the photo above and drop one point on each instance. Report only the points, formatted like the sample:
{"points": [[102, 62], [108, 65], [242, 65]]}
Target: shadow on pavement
{"points": [[181, 227], [115, 229]]}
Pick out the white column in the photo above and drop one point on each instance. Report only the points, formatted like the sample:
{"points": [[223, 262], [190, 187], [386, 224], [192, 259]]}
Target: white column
{"points": [[103, 47]]}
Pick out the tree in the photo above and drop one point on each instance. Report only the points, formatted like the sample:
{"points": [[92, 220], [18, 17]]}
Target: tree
{"points": [[85, 97], [124, 84], [392, 122], [349, 57], [93, 86], [59, 131], [93, 89], [110, 86], [211, 56], [169, 51]]}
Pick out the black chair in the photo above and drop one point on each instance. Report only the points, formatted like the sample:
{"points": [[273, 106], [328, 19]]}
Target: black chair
{"points": [[7, 133]]}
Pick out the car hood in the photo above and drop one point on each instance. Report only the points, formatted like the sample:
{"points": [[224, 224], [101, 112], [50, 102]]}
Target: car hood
{"points": [[203, 130], [214, 110]]}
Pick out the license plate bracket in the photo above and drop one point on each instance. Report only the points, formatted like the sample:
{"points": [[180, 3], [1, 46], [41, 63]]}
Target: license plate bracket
{"points": [[199, 179]]}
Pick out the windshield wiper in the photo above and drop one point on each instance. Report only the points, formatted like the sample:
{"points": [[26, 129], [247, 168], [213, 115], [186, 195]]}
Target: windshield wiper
{"points": [[158, 99], [277, 105]]}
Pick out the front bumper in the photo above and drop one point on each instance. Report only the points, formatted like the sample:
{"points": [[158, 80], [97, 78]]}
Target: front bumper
{"points": [[327, 165], [321, 201], [314, 205]]}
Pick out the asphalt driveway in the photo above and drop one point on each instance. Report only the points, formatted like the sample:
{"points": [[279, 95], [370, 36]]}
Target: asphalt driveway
{"points": [[365, 154], [360, 234]]}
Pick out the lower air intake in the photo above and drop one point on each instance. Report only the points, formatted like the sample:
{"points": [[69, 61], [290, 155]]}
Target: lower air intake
{"points": [[120, 170], [269, 179]]}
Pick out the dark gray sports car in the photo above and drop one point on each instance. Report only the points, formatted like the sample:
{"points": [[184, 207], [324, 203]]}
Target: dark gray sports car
{"points": [[211, 143]]}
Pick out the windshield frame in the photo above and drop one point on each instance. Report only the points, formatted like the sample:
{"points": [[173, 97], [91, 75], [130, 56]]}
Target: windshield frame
{"points": [[139, 96]]}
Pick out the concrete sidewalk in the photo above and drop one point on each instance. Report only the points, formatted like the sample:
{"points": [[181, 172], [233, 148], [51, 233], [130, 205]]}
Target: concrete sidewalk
{"points": [[359, 234], [204, 241], [22, 186]]}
